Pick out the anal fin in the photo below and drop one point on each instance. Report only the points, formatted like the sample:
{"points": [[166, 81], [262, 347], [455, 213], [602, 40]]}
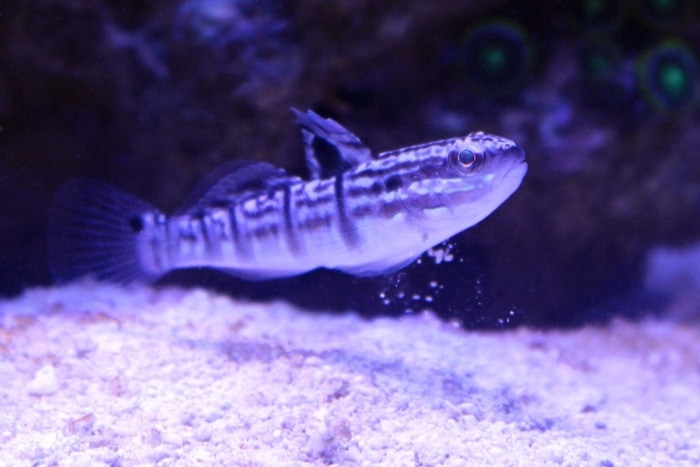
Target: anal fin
{"points": [[259, 274], [379, 268]]}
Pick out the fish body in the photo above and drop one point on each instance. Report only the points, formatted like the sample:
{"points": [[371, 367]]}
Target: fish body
{"points": [[358, 213]]}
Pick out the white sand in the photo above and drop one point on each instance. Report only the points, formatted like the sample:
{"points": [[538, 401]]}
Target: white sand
{"points": [[94, 374]]}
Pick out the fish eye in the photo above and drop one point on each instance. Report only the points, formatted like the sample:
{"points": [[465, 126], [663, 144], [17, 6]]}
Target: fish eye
{"points": [[466, 157]]}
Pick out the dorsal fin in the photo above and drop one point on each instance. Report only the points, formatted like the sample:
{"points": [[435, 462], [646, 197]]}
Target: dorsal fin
{"points": [[329, 147], [232, 180]]}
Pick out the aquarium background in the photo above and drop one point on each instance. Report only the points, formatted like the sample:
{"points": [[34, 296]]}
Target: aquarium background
{"points": [[603, 96], [587, 280]]}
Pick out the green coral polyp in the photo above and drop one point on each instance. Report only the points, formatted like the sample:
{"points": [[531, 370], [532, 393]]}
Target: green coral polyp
{"points": [[667, 76]]}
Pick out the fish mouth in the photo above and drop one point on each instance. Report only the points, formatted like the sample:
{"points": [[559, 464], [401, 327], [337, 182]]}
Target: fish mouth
{"points": [[518, 165], [515, 154], [516, 172]]}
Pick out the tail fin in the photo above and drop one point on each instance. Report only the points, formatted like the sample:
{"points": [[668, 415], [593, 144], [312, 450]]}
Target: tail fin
{"points": [[94, 231]]}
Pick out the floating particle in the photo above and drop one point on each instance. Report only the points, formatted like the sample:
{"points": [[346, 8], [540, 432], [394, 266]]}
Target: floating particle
{"points": [[442, 253]]}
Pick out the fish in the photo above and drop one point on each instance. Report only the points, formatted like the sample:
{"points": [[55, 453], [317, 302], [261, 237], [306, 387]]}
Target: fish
{"points": [[357, 212]]}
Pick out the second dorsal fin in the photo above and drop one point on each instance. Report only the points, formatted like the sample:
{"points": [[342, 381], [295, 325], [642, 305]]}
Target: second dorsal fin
{"points": [[329, 148], [231, 180]]}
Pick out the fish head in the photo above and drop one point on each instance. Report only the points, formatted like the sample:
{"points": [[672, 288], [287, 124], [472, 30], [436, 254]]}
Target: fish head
{"points": [[486, 164], [465, 179]]}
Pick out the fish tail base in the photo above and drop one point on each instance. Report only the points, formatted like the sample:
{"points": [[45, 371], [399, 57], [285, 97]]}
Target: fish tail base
{"points": [[95, 230]]}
